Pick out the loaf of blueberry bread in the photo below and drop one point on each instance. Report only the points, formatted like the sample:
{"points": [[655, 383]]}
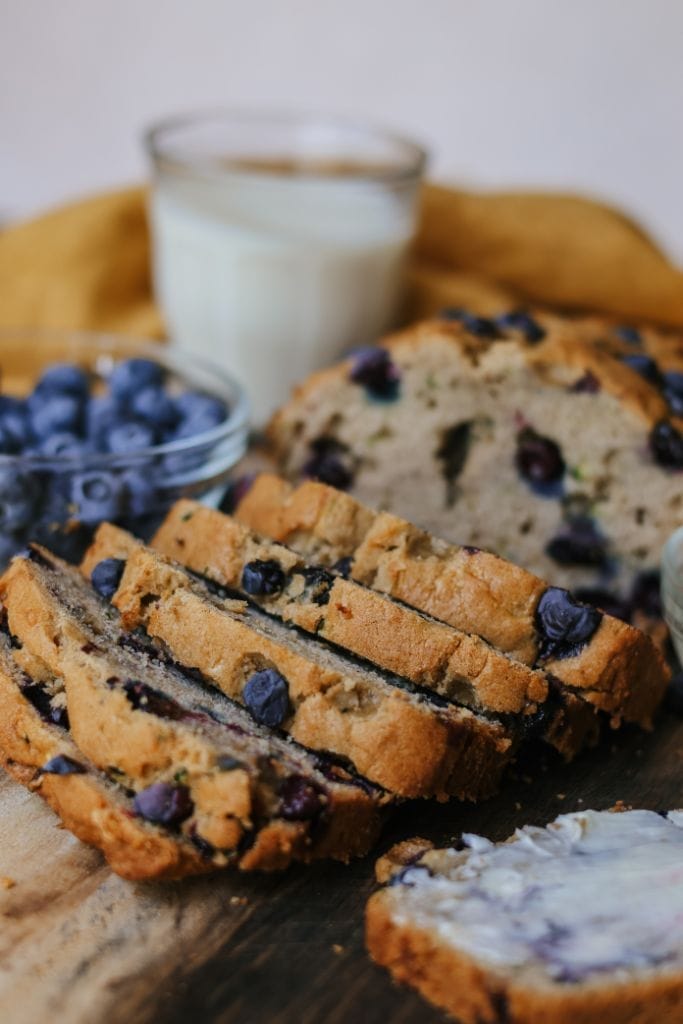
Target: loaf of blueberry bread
{"points": [[398, 737], [578, 921], [554, 443], [195, 761], [37, 750], [470, 589], [447, 662]]}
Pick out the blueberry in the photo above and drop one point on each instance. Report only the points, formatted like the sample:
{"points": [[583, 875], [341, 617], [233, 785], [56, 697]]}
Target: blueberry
{"points": [[96, 496], [673, 391], [453, 450], [164, 804], [52, 413], [15, 431], [482, 326], [40, 699], [101, 414], [520, 320], [538, 459], [263, 576], [628, 334], [132, 375], [580, 543], [106, 576], [156, 407], [64, 379], [141, 495], [646, 594], [300, 799], [63, 444], [235, 491], [564, 625], [146, 698], [18, 500], [129, 436], [606, 601], [645, 366], [666, 445], [343, 566], [266, 696], [196, 405], [376, 371], [588, 384], [62, 765], [326, 463], [10, 444], [319, 582]]}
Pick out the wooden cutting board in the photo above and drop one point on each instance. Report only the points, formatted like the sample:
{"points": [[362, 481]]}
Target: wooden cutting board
{"points": [[80, 946]]}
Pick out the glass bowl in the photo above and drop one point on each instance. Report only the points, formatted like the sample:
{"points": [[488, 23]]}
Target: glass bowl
{"points": [[672, 588], [59, 500]]}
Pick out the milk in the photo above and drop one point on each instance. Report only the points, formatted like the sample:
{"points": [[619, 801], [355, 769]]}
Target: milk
{"points": [[275, 275]]}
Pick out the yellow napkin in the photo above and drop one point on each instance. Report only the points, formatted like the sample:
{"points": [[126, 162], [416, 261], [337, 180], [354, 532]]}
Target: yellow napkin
{"points": [[87, 265]]}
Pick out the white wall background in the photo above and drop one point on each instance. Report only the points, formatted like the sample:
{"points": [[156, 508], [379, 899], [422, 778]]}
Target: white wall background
{"points": [[572, 94]]}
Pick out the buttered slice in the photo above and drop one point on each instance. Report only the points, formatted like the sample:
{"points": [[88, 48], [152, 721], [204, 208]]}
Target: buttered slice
{"points": [[588, 908]]}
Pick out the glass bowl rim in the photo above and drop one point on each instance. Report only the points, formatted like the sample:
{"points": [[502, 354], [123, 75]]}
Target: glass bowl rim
{"points": [[410, 168], [235, 423]]}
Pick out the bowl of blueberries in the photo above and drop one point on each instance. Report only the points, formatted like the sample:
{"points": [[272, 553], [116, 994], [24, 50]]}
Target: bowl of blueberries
{"points": [[102, 427]]}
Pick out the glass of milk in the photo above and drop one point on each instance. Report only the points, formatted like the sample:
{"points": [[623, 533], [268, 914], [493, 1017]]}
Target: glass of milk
{"points": [[279, 241]]}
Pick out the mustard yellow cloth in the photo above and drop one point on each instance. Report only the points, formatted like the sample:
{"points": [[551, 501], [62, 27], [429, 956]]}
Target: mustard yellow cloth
{"points": [[86, 265]]}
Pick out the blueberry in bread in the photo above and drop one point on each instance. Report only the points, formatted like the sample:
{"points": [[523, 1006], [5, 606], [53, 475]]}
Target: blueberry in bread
{"points": [[194, 760], [468, 588], [578, 921], [398, 737], [562, 452], [37, 750]]}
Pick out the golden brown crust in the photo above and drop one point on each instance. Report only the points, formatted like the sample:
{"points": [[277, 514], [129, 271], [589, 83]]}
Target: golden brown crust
{"points": [[363, 621], [409, 747], [110, 731], [476, 995], [619, 671], [83, 802]]}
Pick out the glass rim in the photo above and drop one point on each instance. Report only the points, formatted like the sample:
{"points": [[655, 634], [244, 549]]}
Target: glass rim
{"points": [[235, 424], [409, 167]]}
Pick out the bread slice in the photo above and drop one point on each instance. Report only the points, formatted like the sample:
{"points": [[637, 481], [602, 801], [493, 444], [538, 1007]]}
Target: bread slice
{"points": [[41, 755], [579, 921], [233, 788], [562, 454], [394, 735], [455, 665], [470, 589]]}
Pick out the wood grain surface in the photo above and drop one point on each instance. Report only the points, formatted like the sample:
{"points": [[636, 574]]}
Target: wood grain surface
{"points": [[80, 946]]}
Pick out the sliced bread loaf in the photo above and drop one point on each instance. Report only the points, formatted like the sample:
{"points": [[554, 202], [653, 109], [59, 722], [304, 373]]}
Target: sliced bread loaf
{"points": [[196, 761], [394, 735], [456, 665], [579, 921], [470, 589], [37, 750], [557, 445]]}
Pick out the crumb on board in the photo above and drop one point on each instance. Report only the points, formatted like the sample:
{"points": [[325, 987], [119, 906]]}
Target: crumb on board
{"points": [[238, 901], [561, 796], [518, 806], [6, 882], [336, 948]]}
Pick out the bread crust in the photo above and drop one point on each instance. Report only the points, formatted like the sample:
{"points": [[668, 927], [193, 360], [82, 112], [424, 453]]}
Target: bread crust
{"points": [[462, 987], [365, 622], [620, 670], [409, 747], [133, 849], [110, 731]]}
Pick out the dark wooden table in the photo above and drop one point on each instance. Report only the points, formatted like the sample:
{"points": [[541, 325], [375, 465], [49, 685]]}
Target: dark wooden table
{"points": [[79, 946]]}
